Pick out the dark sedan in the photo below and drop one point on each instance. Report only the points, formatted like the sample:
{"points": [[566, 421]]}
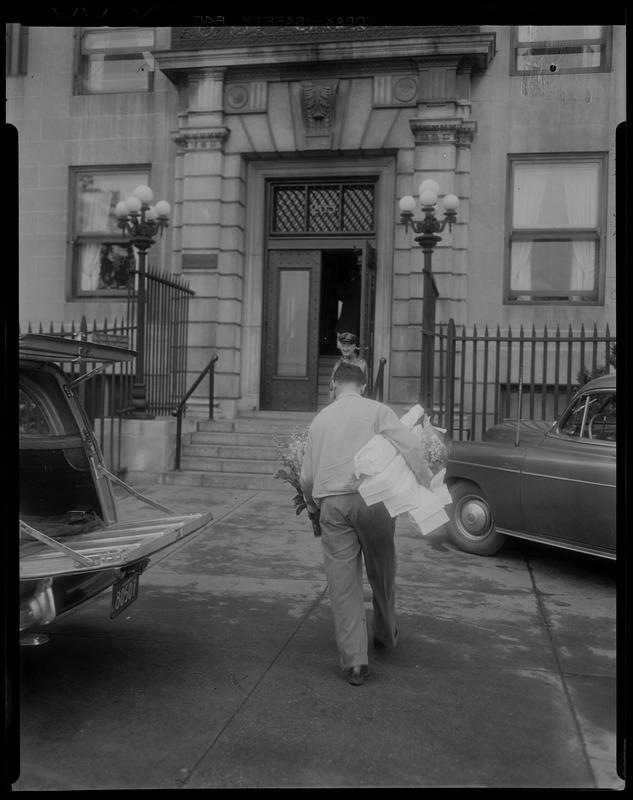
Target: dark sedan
{"points": [[553, 483]]}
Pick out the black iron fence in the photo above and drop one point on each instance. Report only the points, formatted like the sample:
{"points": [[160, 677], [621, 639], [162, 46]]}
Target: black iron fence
{"points": [[108, 396], [479, 378], [166, 327]]}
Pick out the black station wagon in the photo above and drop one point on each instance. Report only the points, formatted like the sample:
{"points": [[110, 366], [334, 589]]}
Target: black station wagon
{"points": [[73, 543]]}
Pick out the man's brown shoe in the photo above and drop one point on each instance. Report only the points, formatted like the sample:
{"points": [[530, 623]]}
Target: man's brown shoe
{"points": [[356, 675]]}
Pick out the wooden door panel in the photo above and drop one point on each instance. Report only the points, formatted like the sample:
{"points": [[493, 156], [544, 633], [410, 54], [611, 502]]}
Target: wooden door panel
{"points": [[291, 330], [368, 291]]}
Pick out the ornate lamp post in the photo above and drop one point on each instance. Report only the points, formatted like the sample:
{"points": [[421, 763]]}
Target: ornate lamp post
{"points": [[427, 229], [141, 222]]}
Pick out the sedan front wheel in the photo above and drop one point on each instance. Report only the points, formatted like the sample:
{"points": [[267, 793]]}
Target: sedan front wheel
{"points": [[471, 527]]}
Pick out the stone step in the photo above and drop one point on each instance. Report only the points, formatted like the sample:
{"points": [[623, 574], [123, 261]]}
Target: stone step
{"points": [[214, 451], [238, 453], [235, 439], [256, 424], [258, 467], [226, 480]]}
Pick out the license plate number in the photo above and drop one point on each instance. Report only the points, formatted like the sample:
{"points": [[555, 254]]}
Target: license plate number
{"points": [[124, 593]]}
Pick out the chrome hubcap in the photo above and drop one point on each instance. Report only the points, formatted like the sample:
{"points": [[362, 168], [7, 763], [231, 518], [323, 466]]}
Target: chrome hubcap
{"points": [[475, 518]]}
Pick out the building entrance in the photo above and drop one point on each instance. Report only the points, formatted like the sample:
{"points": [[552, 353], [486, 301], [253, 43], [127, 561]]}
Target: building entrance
{"points": [[313, 295]]}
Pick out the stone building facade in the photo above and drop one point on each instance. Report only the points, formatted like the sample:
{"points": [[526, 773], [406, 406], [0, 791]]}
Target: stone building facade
{"points": [[284, 152]]}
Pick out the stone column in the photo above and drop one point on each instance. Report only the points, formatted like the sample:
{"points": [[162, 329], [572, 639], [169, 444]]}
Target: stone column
{"points": [[442, 152], [215, 312], [442, 134]]}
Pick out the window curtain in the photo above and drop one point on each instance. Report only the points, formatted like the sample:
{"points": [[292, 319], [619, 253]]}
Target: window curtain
{"points": [[90, 259], [96, 63], [94, 210], [93, 214], [529, 190], [582, 207]]}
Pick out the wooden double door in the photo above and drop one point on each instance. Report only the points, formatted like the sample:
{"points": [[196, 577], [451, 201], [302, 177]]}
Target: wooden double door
{"points": [[310, 295]]}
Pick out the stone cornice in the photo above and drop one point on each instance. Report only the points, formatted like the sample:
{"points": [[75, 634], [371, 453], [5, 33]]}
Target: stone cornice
{"points": [[305, 59], [312, 71]]}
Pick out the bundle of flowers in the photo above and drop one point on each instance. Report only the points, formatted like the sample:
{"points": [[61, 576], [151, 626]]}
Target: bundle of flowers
{"points": [[290, 457], [433, 444]]}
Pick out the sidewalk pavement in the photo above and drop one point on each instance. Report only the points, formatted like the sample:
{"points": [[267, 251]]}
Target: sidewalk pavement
{"points": [[227, 675]]}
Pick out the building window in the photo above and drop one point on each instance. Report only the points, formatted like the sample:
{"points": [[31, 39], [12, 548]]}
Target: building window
{"points": [[556, 218], [323, 208], [116, 60], [103, 259], [16, 38], [560, 49]]}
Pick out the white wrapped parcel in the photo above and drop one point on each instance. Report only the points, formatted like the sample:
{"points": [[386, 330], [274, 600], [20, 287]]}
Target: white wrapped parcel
{"points": [[391, 481]]}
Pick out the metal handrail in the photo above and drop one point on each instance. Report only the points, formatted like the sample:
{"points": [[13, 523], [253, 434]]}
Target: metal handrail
{"points": [[377, 389], [178, 411]]}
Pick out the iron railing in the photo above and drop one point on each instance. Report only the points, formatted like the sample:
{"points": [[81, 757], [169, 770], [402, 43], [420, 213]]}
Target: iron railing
{"points": [[180, 409], [478, 376], [166, 327], [377, 389], [108, 394]]}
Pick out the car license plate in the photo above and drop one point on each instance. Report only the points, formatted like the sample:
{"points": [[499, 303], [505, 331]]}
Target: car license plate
{"points": [[124, 593]]}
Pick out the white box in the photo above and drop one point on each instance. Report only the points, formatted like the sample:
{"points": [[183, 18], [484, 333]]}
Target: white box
{"points": [[427, 505], [385, 484], [374, 456], [405, 499], [433, 522]]}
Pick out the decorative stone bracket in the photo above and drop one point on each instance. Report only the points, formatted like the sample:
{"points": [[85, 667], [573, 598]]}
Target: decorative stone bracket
{"points": [[318, 100]]}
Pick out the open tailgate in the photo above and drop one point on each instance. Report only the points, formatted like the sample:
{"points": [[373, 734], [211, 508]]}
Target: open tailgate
{"points": [[116, 545]]}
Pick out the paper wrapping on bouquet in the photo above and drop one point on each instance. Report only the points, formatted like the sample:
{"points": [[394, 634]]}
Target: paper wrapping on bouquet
{"points": [[387, 483], [412, 416], [439, 488]]}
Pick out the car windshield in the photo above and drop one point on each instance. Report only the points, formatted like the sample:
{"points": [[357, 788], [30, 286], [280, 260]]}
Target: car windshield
{"points": [[591, 416]]}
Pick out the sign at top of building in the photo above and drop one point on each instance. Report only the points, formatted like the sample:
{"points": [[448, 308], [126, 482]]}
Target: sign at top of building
{"points": [[336, 28]]}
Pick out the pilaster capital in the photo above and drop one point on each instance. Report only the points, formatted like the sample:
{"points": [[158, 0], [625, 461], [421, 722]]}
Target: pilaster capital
{"points": [[198, 74], [210, 139], [445, 131]]}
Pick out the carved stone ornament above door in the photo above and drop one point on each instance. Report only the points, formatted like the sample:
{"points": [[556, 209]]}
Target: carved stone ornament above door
{"points": [[318, 100]]}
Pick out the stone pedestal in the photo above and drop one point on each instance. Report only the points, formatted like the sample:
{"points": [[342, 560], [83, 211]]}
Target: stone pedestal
{"points": [[147, 446]]}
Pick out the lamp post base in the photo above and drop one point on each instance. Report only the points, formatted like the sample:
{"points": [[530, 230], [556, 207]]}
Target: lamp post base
{"points": [[139, 402]]}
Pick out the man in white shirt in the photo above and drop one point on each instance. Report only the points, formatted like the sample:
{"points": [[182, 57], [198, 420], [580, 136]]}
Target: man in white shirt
{"points": [[350, 529]]}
